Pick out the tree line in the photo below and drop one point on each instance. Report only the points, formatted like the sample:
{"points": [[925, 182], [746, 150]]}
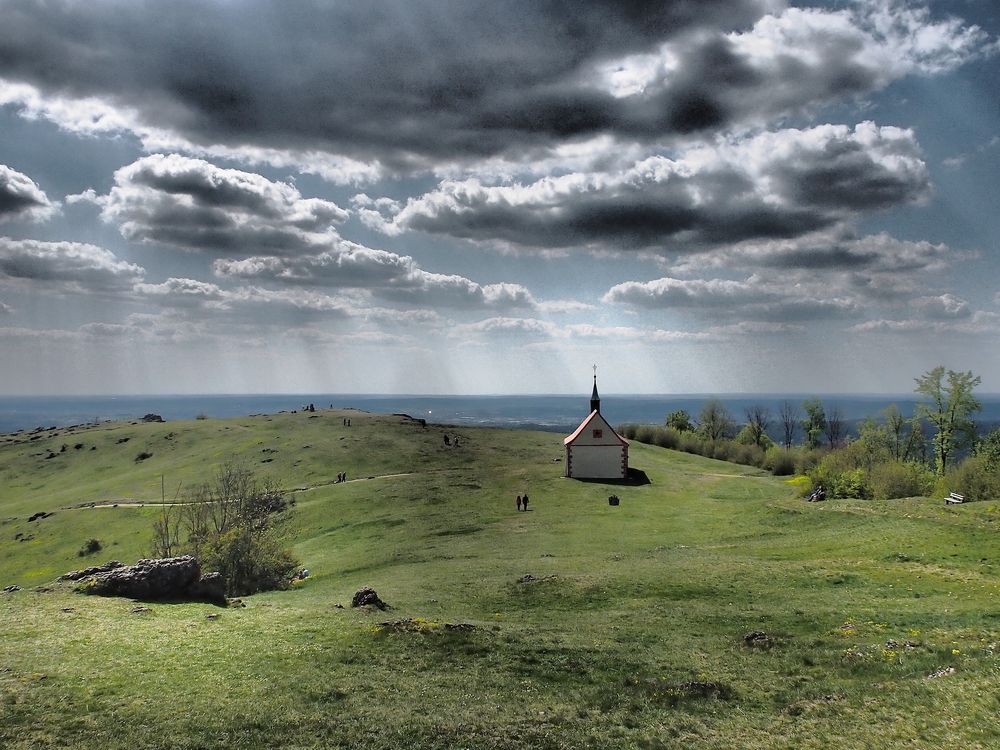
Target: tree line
{"points": [[892, 455]]}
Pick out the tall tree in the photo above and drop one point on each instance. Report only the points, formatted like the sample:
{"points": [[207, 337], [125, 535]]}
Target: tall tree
{"points": [[905, 435], [680, 420], [814, 425], [834, 427], [715, 422], [949, 408], [789, 416], [758, 418], [895, 423]]}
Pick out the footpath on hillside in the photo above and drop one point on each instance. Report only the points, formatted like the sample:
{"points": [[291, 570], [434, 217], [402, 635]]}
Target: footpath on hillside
{"points": [[133, 503]]}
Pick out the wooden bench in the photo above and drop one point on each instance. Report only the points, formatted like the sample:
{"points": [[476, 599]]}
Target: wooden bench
{"points": [[954, 499]]}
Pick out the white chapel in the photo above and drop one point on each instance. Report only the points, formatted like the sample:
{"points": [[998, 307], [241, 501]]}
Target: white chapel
{"points": [[595, 450]]}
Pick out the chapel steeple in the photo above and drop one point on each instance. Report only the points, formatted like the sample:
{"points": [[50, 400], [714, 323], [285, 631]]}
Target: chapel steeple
{"points": [[595, 399]]}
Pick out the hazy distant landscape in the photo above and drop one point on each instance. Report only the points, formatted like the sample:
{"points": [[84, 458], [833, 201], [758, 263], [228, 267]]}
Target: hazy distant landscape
{"points": [[544, 412]]}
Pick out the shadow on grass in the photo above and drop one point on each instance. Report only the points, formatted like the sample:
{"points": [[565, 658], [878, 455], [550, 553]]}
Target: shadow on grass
{"points": [[635, 478]]}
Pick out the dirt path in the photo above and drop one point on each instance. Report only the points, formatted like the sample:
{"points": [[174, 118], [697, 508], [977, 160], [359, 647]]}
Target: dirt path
{"points": [[157, 503]]}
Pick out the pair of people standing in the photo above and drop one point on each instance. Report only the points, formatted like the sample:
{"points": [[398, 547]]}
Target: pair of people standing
{"points": [[522, 502]]}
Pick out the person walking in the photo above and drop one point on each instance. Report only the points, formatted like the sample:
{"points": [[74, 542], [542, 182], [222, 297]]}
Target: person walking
{"points": [[519, 502], [524, 502]]}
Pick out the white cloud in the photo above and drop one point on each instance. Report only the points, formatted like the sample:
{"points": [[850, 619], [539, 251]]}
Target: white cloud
{"points": [[558, 306], [194, 205], [101, 116], [257, 301], [979, 323], [21, 198], [838, 249], [781, 184], [388, 275], [942, 307], [754, 298], [72, 266]]}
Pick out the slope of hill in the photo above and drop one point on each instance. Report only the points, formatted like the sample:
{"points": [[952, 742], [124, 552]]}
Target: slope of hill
{"points": [[579, 624]]}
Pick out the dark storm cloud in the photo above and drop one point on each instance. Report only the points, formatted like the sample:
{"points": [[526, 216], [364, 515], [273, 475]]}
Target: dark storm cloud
{"points": [[384, 80], [414, 84], [20, 197], [194, 205], [776, 185]]}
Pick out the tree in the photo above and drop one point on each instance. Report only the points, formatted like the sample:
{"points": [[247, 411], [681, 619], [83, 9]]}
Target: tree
{"points": [[789, 416], [904, 435], [814, 425], [231, 526], [950, 406], [758, 418], [988, 449], [715, 422], [166, 532], [834, 427], [680, 420]]}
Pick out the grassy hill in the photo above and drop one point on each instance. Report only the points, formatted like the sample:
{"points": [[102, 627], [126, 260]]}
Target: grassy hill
{"points": [[629, 633]]}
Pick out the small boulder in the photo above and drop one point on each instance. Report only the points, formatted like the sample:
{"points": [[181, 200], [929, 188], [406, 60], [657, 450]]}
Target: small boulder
{"points": [[11, 589], [757, 639], [152, 418], [367, 597]]}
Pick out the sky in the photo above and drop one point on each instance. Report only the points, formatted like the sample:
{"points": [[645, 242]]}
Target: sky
{"points": [[468, 197]]}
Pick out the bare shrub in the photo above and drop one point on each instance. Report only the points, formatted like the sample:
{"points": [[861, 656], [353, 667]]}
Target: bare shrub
{"points": [[230, 525]]}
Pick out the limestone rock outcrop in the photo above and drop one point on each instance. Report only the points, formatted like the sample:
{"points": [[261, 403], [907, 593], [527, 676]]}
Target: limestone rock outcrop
{"points": [[165, 578]]}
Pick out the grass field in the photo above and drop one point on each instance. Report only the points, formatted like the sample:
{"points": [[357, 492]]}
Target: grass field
{"points": [[630, 634]]}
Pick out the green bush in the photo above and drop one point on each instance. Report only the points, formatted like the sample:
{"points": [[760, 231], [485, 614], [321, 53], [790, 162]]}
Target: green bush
{"points": [[850, 483], [975, 479], [644, 433], [90, 547], [841, 472], [719, 449], [806, 460], [249, 561], [894, 479], [667, 437], [779, 461], [690, 443]]}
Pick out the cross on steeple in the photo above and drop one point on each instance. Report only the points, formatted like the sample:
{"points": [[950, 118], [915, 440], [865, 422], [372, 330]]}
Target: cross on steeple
{"points": [[595, 399]]}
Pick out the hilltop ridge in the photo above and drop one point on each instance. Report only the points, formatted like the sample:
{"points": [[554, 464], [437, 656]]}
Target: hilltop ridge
{"points": [[575, 624]]}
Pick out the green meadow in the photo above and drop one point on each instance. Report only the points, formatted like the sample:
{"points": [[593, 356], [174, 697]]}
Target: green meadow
{"points": [[574, 625]]}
